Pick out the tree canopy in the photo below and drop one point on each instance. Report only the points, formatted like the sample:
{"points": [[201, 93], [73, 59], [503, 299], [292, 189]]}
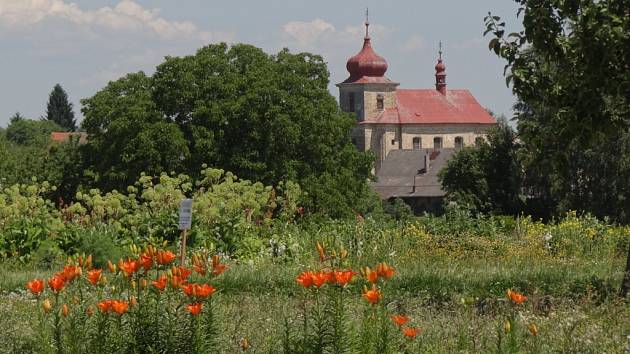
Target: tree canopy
{"points": [[264, 117], [59, 109]]}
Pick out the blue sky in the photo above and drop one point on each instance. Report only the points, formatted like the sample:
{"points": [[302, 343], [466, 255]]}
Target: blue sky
{"points": [[82, 44]]}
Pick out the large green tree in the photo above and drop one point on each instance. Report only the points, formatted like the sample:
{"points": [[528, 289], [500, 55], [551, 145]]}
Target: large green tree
{"points": [[487, 178], [264, 117], [570, 68], [59, 109]]}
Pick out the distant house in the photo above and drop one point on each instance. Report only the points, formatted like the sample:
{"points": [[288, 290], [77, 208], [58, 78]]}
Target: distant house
{"points": [[68, 136], [412, 132]]}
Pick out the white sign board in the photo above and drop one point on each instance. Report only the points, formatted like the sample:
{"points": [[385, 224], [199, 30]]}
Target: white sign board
{"points": [[185, 214]]}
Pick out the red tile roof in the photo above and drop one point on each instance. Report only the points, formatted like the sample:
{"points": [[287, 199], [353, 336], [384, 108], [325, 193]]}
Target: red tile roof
{"points": [[429, 106], [65, 136]]}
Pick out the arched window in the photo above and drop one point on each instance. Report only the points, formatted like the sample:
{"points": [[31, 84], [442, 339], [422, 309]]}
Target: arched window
{"points": [[459, 142], [351, 102], [479, 141], [380, 98], [437, 142], [416, 143]]}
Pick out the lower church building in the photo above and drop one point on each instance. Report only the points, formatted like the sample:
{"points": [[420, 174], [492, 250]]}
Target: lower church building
{"points": [[412, 132]]}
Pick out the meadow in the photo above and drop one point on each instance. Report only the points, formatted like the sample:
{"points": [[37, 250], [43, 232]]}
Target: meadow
{"points": [[281, 282]]}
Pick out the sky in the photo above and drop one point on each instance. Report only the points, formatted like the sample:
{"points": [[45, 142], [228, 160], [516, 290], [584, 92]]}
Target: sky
{"points": [[84, 44]]}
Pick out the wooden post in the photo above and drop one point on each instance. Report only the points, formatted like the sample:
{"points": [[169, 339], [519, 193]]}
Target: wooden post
{"points": [[183, 250]]}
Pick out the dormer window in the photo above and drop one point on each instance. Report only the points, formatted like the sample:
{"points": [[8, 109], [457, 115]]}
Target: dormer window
{"points": [[380, 101]]}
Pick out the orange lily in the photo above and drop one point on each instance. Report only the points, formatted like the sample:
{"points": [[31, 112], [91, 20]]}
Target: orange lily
{"points": [[319, 279], [373, 295], [165, 257], [400, 320], [94, 276], [370, 275], [36, 286], [130, 267], [516, 297], [205, 290], [411, 332], [105, 305], [57, 283], [120, 307], [384, 270], [217, 267], [160, 284], [195, 308], [343, 277], [146, 261], [305, 279]]}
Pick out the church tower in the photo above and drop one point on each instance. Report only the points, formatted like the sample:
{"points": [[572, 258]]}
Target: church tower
{"points": [[440, 74], [367, 92]]}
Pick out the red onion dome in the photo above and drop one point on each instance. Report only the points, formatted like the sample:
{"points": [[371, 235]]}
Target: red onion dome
{"points": [[366, 63], [440, 67]]}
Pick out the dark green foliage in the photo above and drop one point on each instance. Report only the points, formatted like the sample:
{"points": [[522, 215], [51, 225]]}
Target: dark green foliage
{"points": [[59, 109], [264, 117], [487, 178], [29, 132]]}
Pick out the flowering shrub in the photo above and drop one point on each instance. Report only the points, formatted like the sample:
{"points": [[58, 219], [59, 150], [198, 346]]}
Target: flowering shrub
{"points": [[144, 303]]}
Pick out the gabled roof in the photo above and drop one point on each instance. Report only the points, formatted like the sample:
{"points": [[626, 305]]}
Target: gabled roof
{"points": [[429, 106], [399, 173], [65, 136]]}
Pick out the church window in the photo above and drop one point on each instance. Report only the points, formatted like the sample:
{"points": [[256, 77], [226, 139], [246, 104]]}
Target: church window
{"points": [[459, 142], [437, 142], [393, 141], [380, 98], [416, 143], [351, 102]]}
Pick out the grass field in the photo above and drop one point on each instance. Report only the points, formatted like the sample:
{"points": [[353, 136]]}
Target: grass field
{"points": [[452, 287]]}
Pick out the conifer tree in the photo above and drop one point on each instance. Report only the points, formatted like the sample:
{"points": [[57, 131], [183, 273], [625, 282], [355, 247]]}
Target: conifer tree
{"points": [[59, 109]]}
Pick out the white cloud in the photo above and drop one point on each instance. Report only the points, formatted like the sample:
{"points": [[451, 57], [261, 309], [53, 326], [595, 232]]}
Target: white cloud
{"points": [[414, 44], [319, 33], [127, 15]]}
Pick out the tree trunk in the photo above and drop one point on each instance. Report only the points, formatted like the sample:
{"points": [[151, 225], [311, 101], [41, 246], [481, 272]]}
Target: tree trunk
{"points": [[625, 283]]}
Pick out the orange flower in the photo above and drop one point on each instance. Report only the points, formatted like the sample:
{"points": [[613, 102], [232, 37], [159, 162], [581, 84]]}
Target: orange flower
{"points": [[195, 308], [384, 270], [319, 279], [199, 268], [47, 306], [321, 251], [189, 289], [181, 272], [160, 284], [177, 281], [130, 267], [370, 275], [205, 290], [70, 272], [57, 283], [165, 257], [330, 276], [343, 277], [94, 276], [36, 286], [217, 267], [120, 307], [400, 320], [411, 332], [105, 305], [65, 310], [373, 295], [516, 298], [305, 279], [146, 261]]}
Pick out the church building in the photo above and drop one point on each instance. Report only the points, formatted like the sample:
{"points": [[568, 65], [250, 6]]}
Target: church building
{"points": [[412, 132]]}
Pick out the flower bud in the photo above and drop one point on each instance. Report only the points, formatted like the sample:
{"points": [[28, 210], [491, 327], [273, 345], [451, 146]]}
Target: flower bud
{"points": [[47, 306], [507, 326], [89, 311], [533, 329], [65, 310]]}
